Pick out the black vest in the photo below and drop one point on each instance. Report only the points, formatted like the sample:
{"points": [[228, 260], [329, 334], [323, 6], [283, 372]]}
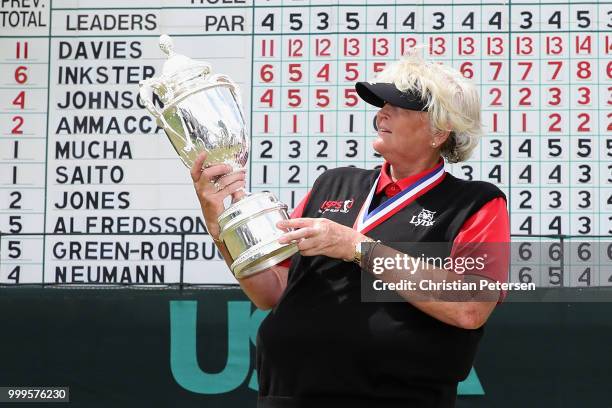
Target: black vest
{"points": [[322, 346]]}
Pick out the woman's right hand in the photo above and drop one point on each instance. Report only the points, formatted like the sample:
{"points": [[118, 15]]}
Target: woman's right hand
{"points": [[213, 184]]}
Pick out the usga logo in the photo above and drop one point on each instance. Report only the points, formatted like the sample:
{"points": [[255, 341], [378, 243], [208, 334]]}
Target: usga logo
{"points": [[334, 206]]}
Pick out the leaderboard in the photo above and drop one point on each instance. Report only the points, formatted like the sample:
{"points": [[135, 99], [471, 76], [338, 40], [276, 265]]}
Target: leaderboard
{"points": [[92, 193]]}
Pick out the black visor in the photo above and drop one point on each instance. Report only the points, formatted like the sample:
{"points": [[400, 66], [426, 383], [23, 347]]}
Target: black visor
{"points": [[379, 93]]}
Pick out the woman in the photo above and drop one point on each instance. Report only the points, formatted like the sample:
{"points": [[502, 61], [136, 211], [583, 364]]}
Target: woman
{"points": [[322, 346]]}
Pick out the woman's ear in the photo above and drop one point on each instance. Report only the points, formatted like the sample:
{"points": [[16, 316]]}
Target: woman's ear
{"points": [[441, 136]]}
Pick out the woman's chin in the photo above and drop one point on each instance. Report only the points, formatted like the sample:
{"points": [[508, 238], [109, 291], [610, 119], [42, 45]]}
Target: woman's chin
{"points": [[379, 146]]}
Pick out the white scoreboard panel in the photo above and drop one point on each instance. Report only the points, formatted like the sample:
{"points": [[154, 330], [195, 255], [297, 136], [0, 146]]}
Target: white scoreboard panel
{"points": [[91, 192]]}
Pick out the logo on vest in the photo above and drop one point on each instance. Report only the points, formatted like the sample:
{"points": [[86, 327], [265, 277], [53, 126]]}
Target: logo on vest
{"points": [[334, 206], [424, 218]]}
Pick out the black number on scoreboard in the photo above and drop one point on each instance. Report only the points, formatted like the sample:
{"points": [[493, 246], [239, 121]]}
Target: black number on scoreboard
{"points": [[527, 20], [296, 149], [352, 21], [352, 147], [496, 20], [382, 20], [265, 153], [14, 205], [555, 19], [15, 274], [439, 21], [409, 20], [583, 18], [468, 21], [268, 21], [295, 19], [294, 177], [321, 153], [323, 21]]}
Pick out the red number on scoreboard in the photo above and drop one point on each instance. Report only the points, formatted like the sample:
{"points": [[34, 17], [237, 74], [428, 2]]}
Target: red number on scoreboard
{"points": [[554, 45], [267, 97], [21, 52], [584, 70], [585, 95], [466, 46], [267, 48], [322, 46], [555, 94], [466, 70], [526, 92], [583, 45], [17, 128], [380, 47], [378, 66], [585, 119], [19, 100], [406, 44], [350, 97], [21, 75], [352, 73], [497, 94], [554, 125], [437, 46], [294, 97], [498, 66], [322, 97], [524, 45], [351, 47], [558, 65], [323, 73], [266, 74], [295, 46], [527, 65], [495, 45], [295, 72]]}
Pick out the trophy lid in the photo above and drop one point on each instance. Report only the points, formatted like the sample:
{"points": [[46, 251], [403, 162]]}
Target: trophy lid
{"points": [[178, 71], [178, 63]]}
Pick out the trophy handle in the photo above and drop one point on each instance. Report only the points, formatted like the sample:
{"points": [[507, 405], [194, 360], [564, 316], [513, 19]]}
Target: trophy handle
{"points": [[146, 96], [226, 79]]}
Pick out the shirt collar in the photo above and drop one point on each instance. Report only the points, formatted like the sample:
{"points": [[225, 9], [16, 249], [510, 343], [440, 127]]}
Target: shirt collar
{"points": [[386, 183]]}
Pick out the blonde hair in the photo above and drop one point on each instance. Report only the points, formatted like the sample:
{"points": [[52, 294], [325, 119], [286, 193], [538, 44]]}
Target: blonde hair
{"points": [[453, 103]]}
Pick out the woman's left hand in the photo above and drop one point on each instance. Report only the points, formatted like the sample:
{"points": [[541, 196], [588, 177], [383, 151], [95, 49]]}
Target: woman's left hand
{"points": [[320, 236]]}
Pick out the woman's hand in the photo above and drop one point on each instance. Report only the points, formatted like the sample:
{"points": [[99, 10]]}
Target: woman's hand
{"points": [[212, 185], [320, 236]]}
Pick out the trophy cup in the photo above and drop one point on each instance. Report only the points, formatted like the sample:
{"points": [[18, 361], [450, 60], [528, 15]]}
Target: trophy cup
{"points": [[203, 112]]}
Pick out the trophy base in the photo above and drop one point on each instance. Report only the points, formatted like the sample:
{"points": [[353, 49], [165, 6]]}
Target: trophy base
{"points": [[248, 230], [261, 257]]}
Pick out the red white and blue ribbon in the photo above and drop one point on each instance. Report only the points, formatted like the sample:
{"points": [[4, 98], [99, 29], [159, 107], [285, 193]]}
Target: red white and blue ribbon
{"points": [[368, 220]]}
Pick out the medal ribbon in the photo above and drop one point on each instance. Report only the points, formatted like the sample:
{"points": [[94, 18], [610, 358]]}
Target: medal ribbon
{"points": [[368, 220]]}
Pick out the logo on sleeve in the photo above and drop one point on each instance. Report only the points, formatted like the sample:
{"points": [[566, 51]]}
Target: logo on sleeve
{"points": [[424, 218], [336, 206]]}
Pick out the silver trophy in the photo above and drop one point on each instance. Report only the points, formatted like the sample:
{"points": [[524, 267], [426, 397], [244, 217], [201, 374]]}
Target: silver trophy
{"points": [[203, 112]]}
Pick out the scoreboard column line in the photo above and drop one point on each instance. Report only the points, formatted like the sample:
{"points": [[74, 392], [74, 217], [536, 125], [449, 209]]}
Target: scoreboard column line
{"points": [[569, 132], [539, 136], [510, 116], [252, 92], [337, 78], [600, 216], [308, 70], [44, 245], [480, 87]]}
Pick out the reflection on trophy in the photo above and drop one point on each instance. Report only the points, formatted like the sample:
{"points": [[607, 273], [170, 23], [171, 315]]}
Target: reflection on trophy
{"points": [[203, 112]]}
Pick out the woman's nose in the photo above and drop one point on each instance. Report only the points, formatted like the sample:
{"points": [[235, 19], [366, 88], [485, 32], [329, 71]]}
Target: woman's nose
{"points": [[384, 111], [380, 115]]}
